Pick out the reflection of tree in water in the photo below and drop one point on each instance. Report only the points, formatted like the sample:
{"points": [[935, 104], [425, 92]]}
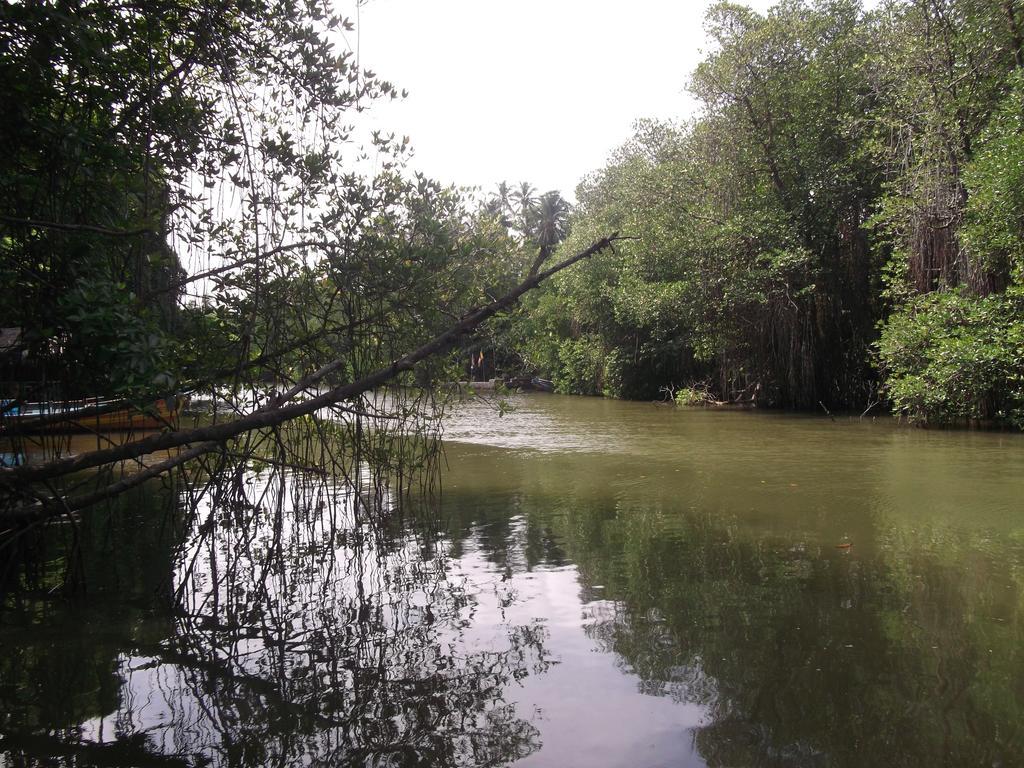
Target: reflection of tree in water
{"points": [[807, 656], [309, 628], [904, 651]]}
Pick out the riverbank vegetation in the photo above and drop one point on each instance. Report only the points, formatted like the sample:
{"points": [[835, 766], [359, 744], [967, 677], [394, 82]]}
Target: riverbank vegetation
{"points": [[842, 224]]}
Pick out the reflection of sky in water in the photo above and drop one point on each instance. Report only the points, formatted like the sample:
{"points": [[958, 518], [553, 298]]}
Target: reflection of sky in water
{"points": [[586, 707], [151, 703], [587, 710]]}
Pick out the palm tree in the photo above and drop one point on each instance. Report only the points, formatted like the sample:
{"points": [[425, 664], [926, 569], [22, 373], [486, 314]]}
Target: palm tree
{"points": [[499, 206], [539, 221], [548, 225], [551, 220], [504, 196], [527, 201]]}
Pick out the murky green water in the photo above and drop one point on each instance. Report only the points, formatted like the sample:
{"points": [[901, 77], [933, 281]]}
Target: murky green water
{"points": [[605, 584]]}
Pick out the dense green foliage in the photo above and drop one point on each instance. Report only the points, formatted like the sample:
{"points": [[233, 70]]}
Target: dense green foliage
{"points": [[845, 165], [959, 354], [951, 356]]}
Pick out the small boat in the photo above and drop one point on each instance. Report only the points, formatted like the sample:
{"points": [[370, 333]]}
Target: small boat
{"points": [[89, 415], [542, 385]]}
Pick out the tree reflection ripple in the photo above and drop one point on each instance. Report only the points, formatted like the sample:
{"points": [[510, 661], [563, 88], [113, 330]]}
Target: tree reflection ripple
{"points": [[309, 624]]}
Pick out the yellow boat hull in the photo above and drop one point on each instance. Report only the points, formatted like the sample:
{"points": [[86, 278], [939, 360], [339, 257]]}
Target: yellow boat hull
{"points": [[91, 416]]}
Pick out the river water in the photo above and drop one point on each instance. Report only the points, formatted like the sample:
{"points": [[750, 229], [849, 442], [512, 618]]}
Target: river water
{"points": [[598, 583]]}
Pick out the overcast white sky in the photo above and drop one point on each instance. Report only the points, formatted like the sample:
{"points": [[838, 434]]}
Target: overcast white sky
{"points": [[537, 90]]}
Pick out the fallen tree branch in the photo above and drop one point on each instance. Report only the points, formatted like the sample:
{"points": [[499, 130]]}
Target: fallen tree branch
{"points": [[207, 438], [43, 510]]}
